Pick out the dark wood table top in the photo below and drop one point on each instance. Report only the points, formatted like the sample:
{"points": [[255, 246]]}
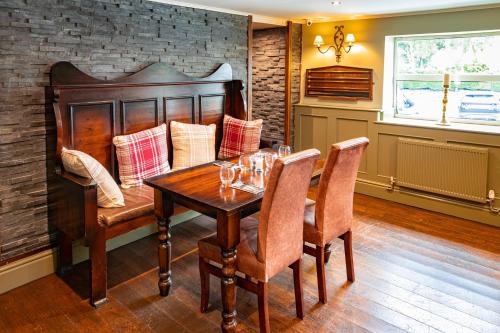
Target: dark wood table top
{"points": [[202, 185]]}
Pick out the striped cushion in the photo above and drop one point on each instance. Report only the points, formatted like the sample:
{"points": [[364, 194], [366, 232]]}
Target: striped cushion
{"points": [[142, 155], [83, 165], [193, 144], [239, 137]]}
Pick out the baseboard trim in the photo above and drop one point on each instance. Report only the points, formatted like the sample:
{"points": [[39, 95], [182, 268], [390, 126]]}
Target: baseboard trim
{"points": [[44, 263], [429, 202]]}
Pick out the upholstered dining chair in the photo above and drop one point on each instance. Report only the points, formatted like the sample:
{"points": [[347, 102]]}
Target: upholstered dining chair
{"points": [[271, 240], [330, 216]]}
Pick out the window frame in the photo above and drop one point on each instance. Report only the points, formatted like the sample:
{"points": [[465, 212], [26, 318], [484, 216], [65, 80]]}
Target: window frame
{"points": [[439, 77]]}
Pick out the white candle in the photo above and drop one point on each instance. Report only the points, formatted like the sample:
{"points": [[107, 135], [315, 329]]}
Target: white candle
{"points": [[446, 79]]}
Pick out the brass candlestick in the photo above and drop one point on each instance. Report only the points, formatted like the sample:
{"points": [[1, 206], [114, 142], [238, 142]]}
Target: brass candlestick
{"points": [[443, 121]]}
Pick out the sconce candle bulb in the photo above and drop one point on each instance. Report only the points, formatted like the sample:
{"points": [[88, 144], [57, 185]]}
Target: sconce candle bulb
{"points": [[338, 42]]}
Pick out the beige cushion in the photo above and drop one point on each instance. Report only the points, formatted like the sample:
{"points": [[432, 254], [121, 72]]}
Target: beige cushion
{"points": [[193, 144], [83, 165]]}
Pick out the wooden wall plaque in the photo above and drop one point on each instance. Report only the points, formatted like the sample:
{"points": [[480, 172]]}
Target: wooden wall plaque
{"points": [[340, 82]]}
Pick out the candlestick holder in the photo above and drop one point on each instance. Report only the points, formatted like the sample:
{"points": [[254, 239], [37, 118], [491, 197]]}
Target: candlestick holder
{"points": [[443, 121]]}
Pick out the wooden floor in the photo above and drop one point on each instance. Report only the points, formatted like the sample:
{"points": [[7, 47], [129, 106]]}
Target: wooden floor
{"points": [[416, 271]]}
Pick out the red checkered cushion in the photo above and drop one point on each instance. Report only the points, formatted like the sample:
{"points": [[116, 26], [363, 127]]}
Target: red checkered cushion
{"points": [[142, 155], [239, 137]]}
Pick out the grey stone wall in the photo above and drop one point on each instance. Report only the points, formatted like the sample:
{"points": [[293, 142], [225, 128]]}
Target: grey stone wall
{"points": [[268, 78], [107, 39]]}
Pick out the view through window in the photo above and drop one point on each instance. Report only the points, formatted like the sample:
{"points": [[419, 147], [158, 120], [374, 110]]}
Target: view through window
{"points": [[473, 62]]}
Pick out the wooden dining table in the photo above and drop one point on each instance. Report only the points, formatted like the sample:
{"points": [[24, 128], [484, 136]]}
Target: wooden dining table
{"points": [[199, 188]]}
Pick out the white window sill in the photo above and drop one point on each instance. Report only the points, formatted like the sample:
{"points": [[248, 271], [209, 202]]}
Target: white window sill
{"points": [[432, 124]]}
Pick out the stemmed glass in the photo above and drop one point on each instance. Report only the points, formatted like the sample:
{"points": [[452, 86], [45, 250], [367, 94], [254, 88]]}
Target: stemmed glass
{"points": [[284, 150]]}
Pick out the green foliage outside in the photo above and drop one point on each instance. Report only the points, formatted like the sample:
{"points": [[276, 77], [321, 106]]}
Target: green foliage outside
{"points": [[455, 55]]}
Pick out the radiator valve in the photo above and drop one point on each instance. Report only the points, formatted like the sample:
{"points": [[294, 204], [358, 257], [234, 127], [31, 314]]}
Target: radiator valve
{"points": [[491, 200], [393, 184]]}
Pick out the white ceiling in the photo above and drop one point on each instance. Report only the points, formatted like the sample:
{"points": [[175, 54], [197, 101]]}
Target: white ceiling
{"points": [[320, 10]]}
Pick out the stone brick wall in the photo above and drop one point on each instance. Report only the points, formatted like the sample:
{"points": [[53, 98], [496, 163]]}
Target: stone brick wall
{"points": [[107, 39], [268, 78]]}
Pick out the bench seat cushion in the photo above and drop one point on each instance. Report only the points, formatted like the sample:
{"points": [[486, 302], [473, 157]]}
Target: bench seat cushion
{"points": [[139, 201]]}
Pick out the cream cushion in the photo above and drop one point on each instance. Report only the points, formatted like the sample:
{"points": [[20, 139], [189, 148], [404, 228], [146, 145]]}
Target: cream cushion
{"points": [[84, 165], [193, 144]]}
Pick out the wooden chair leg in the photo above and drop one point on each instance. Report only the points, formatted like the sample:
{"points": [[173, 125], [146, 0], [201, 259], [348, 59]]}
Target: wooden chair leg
{"points": [[349, 263], [262, 289], [297, 284], [328, 252], [65, 254], [98, 269], [320, 271], [205, 284]]}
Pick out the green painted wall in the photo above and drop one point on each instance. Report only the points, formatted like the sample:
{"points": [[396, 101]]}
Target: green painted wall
{"points": [[370, 42], [321, 122]]}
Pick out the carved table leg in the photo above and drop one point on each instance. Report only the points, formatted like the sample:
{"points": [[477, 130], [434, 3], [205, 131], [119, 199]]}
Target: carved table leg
{"points": [[228, 233], [164, 207]]}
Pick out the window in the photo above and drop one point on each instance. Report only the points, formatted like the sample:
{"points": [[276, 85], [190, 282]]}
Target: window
{"points": [[474, 66]]}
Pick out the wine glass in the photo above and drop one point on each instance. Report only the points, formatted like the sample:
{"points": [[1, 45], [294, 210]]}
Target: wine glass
{"points": [[226, 174], [284, 150]]}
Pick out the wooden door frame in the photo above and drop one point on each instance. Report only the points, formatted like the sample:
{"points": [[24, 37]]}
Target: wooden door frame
{"points": [[288, 82], [249, 66]]}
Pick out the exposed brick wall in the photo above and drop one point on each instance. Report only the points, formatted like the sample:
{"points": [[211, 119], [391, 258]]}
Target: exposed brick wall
{"points": [[107, 39], [268, 78]]}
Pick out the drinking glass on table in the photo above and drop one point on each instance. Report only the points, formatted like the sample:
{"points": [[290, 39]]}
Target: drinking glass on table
{"points": [[226, 174], [245, 165], [269, 159], [284, 150], [258, 162], [245, 162]]}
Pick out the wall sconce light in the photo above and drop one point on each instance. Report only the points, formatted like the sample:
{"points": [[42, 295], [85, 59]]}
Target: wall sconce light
{"points": [[338, 42]]}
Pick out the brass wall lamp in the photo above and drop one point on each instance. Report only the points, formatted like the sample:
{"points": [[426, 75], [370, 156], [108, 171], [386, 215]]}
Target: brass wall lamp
{"points": [[338, 42]]}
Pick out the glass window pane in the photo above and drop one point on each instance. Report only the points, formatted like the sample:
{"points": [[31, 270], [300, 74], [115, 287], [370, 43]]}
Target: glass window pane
{"points": [[421, 62], [466, 100]]}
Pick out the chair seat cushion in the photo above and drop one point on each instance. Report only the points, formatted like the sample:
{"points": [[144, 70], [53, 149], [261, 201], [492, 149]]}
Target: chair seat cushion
{"points": [[139, 201], [311, 233], [246, 260]]}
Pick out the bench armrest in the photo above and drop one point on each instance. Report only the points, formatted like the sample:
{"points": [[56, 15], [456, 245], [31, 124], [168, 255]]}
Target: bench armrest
{"points": [[75, 180]]}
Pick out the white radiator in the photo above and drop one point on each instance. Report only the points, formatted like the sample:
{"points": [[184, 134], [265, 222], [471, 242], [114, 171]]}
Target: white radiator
{"points": [[454, 170]]}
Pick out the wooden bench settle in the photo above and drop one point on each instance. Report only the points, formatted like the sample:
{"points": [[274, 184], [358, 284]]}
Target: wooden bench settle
{"points": [[90, 112]]}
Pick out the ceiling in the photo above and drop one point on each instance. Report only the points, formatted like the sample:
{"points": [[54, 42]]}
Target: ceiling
{"points": [[323, 10]]}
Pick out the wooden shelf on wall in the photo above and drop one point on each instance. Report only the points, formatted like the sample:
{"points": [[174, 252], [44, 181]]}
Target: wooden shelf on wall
{"points": [[340, 82]]}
